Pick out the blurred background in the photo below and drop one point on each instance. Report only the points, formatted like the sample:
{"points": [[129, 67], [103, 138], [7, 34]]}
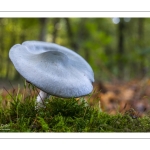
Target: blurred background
{"points": [[118, 49]]}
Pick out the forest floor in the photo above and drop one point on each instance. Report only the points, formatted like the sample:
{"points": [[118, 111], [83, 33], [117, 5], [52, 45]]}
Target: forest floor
{"points": [[111, 97], [123, 96], [112, 107]]}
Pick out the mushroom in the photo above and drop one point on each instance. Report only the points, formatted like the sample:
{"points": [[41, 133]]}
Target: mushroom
{"points": [[54, 69]]}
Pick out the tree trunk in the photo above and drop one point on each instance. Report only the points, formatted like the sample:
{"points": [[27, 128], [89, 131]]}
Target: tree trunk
{"points": [[73, 44], [43, 23], [55, 31], [121, 28], [140, 41]]}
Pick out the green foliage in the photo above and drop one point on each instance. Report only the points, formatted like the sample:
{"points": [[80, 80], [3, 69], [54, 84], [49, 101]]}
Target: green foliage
{"points": [[96, 39], [65, 115]]}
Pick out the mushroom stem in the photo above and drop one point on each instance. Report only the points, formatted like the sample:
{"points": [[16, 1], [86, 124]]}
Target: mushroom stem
{"points": [[41, 97]]}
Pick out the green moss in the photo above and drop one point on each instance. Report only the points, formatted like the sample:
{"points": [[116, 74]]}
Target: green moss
{"points": [[66, 115]]}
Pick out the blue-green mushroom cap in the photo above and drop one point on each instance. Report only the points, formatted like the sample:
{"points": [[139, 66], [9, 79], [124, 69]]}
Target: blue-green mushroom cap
{"points": [[52, 68]]}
